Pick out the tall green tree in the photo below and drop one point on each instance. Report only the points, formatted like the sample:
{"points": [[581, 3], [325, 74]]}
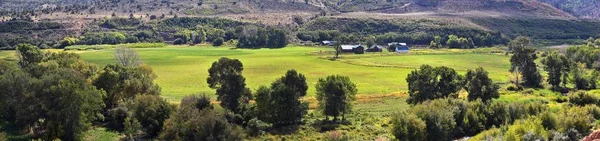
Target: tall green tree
{"points": [[335, 95], [28, 55], [480, 86], [281, 104], [429, 83], [522, 61], [558, 67], [225, 75]]}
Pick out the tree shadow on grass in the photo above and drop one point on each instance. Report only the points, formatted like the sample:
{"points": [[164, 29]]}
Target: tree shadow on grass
{"points": [[284, 130], [328, 125]]}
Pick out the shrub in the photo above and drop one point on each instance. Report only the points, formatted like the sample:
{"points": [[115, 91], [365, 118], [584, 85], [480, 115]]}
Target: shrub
{"points": [[577, 118], [191, 123], [474, 119], [439, 118], [530, 128], [493, 134], [256, 127], [218, 42], [408, 127], [151, 111], [582, 98], [549, 120]]}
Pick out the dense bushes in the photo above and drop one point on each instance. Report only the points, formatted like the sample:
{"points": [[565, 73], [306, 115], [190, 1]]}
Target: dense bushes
{"points": [[408, 127], [582, 98], [195, 120], [150, 111]]}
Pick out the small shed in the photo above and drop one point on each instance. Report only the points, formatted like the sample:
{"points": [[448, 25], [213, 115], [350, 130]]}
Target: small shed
{"points": [[359, 49], [402, 48], [375, 48]]}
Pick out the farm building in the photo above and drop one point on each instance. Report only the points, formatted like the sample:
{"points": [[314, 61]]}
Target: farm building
{"points": [[357, 49], [402, 48], [375, 48]]}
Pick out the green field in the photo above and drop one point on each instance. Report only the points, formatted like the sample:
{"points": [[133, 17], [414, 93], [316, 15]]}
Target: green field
{"points": [[182, 70]]}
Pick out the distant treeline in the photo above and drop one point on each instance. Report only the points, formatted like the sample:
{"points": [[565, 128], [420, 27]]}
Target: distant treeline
{"points": [[542, 28], [385, 31]]}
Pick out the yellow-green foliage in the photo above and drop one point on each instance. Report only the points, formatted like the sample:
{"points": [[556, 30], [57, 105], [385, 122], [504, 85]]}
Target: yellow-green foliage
{"points": [[494, 134], [577, 118], [521, 129]]}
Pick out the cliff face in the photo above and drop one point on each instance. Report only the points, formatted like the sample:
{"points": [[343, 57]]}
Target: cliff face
{"points": [[586, 9]]}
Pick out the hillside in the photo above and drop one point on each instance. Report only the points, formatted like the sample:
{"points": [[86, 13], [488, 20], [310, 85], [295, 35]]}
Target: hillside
{"points": [[588, 9], [53, 9]]}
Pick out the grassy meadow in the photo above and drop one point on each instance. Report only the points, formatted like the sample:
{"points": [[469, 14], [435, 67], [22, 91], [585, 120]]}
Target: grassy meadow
{"points": [[182, 70], [380, 77]]}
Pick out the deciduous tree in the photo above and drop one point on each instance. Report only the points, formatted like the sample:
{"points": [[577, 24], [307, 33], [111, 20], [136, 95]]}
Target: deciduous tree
{"points": [[335, 95], [225, 75]]}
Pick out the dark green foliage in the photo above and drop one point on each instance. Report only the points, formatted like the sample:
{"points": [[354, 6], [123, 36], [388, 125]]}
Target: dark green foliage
{"points": [[317, 36], [257, 37], [558, 67], [385, 31], [225, 75], [583, 98], [19, 26], [335, 95], [474, 118], [121, 83], [256, 127], [191, 123], [408, 127], [539, 28], [522, 61], [480, 86], [439, 118], [59, 101], [217, 42], [429, 83], [150, 111], [280, 104], [29, 55], [497, 114]]}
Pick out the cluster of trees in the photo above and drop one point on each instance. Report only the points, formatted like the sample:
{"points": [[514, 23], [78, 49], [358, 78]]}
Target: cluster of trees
{"points": [[438, 114], [109, 38], [576, 66], [430, 83], [257, 37], [419, 32], [59, 96]]}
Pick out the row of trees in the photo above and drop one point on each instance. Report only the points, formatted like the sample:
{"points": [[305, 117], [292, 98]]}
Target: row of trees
{"points": [[430, 83], [109, 38]]}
